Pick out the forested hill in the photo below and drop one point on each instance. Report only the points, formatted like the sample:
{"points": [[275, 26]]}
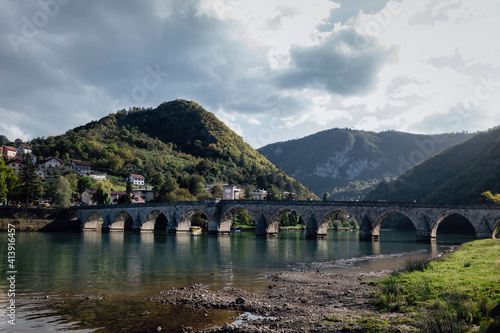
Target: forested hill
{"points": [[344, 161], [457, 175], [178, 138]]}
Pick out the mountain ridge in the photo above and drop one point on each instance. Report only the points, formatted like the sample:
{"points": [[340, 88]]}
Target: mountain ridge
{"points": [[456, 175], [336, 157]]}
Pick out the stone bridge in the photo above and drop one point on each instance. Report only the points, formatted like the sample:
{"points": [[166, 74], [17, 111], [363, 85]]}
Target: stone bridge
{"points": [[176, 217]]}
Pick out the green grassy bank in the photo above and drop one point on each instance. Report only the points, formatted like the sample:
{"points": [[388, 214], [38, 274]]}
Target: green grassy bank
{"points": [[458, 293]]}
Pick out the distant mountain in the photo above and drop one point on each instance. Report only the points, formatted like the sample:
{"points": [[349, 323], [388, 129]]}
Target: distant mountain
{"points": [[178, 138], [456, 175], [351, 161]]}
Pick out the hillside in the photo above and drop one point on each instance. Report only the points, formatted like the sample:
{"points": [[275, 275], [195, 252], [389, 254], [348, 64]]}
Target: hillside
{"points": [[457, 175], [178, 138], [352, 161]]}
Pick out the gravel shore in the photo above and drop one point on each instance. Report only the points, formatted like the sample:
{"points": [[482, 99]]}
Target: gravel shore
{"points": [[294, 302]]}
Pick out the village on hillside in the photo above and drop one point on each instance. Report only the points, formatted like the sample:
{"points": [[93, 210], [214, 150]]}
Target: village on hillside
{"points": [[141, 193]]}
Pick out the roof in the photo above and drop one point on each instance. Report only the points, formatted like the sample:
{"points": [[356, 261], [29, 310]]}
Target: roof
{"points": [[82, 163], [112, 192], [10, 148], [137, 176]]}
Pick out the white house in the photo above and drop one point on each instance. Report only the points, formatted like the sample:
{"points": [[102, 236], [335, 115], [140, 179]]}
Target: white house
{"points": [[258, 194], [23, 149], [137, 179], [15, 164], [52, 162]]}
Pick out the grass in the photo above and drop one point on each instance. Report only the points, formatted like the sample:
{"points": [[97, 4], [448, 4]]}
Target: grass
{"points": [[454, 294]]}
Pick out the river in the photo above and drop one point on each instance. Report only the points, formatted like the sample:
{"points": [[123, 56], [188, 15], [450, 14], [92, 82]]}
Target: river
{"points": [[94, 282]]}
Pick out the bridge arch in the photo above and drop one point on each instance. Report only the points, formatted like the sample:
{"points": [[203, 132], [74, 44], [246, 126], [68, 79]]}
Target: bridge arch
{"points": [[94, 222], [446, 216], [154, 221], [384, 216], [273, 223], [496, 229], [322, 225], [185, 220], [122, 221], [230, 213]]}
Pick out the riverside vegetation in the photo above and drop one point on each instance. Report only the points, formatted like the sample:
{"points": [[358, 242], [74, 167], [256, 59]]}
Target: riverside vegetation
{"points": [[457, 293]]}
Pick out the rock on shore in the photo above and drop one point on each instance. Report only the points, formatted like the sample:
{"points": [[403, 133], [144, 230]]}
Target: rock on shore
{"points": [[294, 302]]}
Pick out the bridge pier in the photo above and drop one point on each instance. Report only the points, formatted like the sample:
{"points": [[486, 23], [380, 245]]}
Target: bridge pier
{"points": [[366, 234], [424, 235]]}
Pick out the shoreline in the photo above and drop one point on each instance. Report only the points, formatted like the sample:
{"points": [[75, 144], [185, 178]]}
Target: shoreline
{"points": [[298, 302], [294, 302]]}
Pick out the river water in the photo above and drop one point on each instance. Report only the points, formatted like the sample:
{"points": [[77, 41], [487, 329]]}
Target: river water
{"points": [[94, 282]]}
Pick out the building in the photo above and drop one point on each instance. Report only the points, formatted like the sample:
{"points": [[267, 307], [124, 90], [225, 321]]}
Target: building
{"points": [[24, 149], [146, 195], [88, 197], [52, 162], [41, 173], [81, 166], [258, 194], [98, 175], [138, 180], [229, 192], [9, 152], [15, 164]]}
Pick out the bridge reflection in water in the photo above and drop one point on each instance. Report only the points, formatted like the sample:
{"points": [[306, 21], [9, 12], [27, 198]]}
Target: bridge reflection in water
{"points": [[176, 217]]}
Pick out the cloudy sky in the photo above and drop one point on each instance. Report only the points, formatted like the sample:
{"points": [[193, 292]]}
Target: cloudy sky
{"points": [[272, 70]]}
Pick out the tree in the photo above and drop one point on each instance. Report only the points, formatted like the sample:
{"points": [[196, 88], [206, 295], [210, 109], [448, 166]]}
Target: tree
{"points": [[248, 193], [59, 190], [273, 194], [73, 181], [167, 189], [84, 183], [8, 182], [102, 197], [129, 187], [495, 198], [125, 199], [30, 183], [103, 194], [217, 191], [196, 185]]}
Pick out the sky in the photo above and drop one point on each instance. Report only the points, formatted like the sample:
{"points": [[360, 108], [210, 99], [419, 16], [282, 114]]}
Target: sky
{"points": [[272, 70]]}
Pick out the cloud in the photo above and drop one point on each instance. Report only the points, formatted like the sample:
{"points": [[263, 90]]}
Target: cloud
{"points": [[336, 65]]}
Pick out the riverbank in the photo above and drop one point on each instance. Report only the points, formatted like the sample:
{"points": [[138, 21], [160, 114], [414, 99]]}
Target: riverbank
{"points": [[294, 302], [329, 302], [36, 219]]}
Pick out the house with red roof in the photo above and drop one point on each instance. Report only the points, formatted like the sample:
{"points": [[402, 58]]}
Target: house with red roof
{"points": [[52, 162], [81, 166], [137, 179], [8, 151]]}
